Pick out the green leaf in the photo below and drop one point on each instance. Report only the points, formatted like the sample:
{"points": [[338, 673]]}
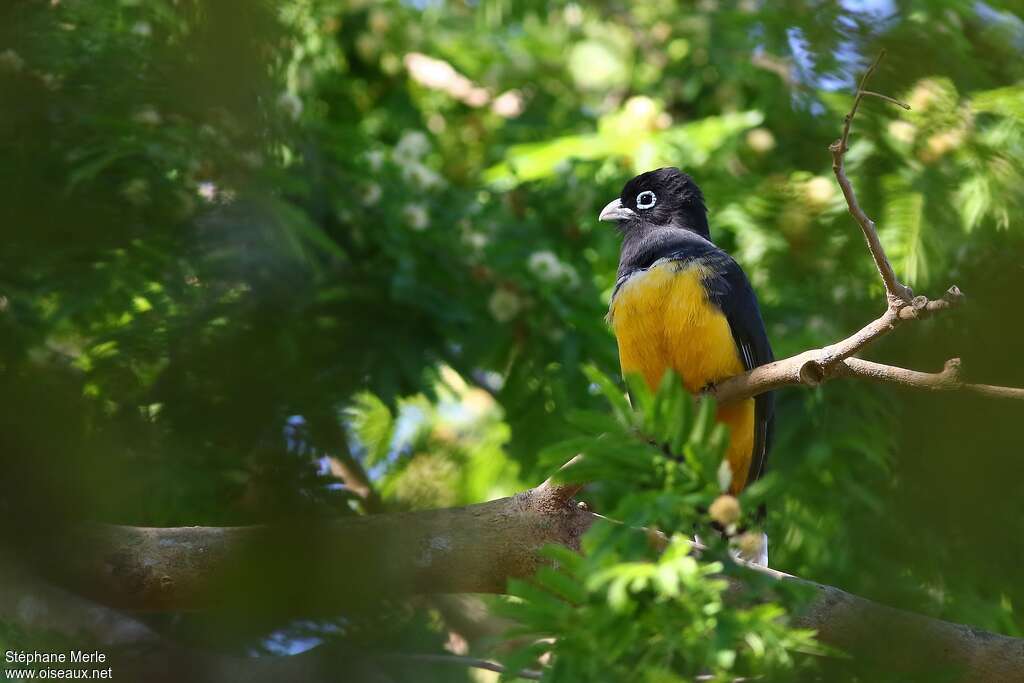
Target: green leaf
{"points": [[704, 420], [1008, 101], [903, 218], [642, 400], [373, 424], [593, 422], [667, 406], [974, 198], [692, 142], [560, 584], [612, 393]]}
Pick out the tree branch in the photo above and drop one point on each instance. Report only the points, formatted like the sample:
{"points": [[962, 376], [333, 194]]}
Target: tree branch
{"points": [[37, 605], [896, 292], [473, 549], [344, 465], [906, 642], [946, 380], [476, 548], [815, 366]]}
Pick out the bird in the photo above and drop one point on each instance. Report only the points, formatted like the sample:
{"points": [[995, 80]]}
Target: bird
{"points": [[682, 303]]}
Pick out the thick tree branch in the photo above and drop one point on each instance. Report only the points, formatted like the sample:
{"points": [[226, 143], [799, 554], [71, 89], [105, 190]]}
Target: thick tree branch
{"points": [[37, 605], [908, 643], [561, 493], [476, 548], [322, 565]]}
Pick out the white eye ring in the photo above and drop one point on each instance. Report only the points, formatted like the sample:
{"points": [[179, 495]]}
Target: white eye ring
{"points": [[646, 200]]}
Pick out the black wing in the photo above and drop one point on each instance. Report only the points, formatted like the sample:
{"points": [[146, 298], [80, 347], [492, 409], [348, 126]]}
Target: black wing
{"points": [[730, 290]]}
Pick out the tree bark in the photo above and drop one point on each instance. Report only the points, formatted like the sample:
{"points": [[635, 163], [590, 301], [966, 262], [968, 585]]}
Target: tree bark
{"points": [[316, 569]]}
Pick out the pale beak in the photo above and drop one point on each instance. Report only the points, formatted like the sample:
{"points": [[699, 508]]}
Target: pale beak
{"points": [[615, 211]]}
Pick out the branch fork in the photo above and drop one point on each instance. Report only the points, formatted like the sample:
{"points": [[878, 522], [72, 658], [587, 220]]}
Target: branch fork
{"points": [[811, 368]]}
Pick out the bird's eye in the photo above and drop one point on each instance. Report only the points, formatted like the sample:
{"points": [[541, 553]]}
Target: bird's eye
{"points": [[646, 200]]}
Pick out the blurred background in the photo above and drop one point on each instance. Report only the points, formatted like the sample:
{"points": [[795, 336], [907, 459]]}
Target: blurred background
{"points": [[247, 248]]}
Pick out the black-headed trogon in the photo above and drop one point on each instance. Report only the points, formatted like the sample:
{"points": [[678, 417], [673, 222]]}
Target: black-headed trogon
{"points": [[680, 302]]}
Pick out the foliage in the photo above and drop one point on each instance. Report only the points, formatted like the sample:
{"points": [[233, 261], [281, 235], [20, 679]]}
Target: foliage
{"points": [[632, 603], [242, 239]]}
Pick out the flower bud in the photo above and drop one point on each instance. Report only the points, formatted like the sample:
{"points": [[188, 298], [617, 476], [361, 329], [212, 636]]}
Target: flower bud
{"points": [[725, 510]]}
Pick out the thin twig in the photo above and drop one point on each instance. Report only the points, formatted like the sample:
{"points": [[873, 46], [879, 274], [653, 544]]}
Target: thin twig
{"points": [[893, 100], [897, 293]]}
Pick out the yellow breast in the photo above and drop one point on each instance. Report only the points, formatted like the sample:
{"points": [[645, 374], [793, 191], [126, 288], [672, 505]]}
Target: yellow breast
{"points": [[662, 319]]}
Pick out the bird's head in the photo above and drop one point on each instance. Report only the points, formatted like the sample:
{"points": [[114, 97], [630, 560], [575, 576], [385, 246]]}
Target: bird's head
{"points": [[665, 198]]}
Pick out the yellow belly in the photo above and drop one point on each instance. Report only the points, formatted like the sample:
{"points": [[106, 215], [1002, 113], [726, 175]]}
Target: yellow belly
{"points": [[663, 320]]}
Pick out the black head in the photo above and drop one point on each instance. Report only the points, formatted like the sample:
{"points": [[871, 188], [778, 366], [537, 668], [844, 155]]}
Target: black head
{"points": [[665, 198]]}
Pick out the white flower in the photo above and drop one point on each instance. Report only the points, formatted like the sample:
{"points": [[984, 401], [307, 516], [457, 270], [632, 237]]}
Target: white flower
{"points": [[207, 190], [412, 147], [548, 268], [421, 176], [438, 74], [474, 96], [545, 265], [508, 104], [142, 28], [475, 240], [375, 159], [416, 216], [504, 305], [573, 14], [642, 108], [11, 61], [291, 104], [372, 194]]}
